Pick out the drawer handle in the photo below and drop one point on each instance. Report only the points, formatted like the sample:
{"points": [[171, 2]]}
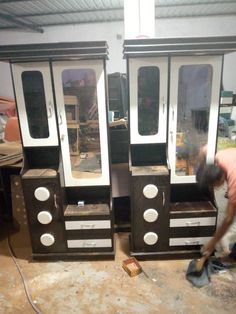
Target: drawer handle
{"points": [[163, 198], [192, 242], [88, 226], [60, 119], [193, 223], [89, 244], [55, 201], [50, 110]]}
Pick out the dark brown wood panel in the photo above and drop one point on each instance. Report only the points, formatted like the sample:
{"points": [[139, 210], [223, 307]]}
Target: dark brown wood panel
{"points": [[54, 205]]}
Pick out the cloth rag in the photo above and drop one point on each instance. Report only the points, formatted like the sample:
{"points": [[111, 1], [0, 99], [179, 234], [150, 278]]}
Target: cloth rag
{"points": [[203, 277]]}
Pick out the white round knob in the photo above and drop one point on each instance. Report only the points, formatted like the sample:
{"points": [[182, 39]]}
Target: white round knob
{"points": [[150, 215], [47, 239], [42, 193], [150, 191], [150, 238], [44, 217]]}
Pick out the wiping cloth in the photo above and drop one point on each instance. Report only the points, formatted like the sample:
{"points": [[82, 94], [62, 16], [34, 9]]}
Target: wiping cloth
{"points": [[203, 278]]}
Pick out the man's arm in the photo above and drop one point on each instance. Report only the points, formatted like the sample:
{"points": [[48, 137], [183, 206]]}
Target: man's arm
{"points": [[209, 247]]}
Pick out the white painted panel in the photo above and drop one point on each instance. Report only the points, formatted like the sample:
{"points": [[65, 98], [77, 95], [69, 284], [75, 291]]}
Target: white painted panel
{"points": [[88, 224], [193, 222], [188, 241], [134, 65], [43, 68], [139, 18], [97, 66], [89, 243]]}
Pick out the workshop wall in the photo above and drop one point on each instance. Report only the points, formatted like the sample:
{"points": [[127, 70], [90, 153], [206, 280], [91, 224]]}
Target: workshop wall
{"points": [[113, 33]]}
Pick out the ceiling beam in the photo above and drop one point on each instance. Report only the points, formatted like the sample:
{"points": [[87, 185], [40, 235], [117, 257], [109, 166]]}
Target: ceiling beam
{"points": [[70, 23], [157, 6], [185, 15], [115, 20], [190, 4], [69, 12], [87, 11], [15, 1], [14, 20], [182, 3]]}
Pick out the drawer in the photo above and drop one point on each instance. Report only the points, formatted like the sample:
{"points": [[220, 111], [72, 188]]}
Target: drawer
{"points": [[193, 222], [188, 241], [87, 224], [89, 243]]}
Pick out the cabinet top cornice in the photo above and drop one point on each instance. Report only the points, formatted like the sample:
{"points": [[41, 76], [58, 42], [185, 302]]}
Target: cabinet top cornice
{"points": [[54, 51], [179, 46]]}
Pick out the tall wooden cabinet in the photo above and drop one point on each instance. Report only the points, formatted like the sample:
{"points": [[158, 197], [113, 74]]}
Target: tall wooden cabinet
{"points": [[174, 97], [61, 100]]}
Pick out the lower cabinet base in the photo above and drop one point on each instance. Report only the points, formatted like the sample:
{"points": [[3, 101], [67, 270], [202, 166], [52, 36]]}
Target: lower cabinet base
{"points": [[166, 255], [88, 256]]}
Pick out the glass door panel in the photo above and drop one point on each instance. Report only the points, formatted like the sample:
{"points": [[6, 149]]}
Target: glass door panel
{"points": [[193, 107], [148, 100], [193, 113], [35, 104], [82, 116], [81, 108]]}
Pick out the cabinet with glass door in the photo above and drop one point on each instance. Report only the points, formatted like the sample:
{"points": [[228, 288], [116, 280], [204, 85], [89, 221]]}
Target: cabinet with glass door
{"points": [[35, 103], [165, 140], [62, 109], [148, 100]]}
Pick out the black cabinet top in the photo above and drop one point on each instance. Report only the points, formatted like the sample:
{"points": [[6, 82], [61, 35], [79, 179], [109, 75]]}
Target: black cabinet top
{"points": [[54, 51], [179, 46]]}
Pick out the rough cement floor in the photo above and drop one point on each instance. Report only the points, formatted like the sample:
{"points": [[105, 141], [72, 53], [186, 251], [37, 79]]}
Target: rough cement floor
{"points": [[103, 286]]}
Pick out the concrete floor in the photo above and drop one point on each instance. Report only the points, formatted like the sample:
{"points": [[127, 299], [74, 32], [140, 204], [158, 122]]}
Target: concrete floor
{"points": [[103, 286]]}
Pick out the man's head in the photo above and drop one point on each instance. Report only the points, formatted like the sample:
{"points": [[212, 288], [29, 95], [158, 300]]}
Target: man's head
{"points": [[210, 176]]}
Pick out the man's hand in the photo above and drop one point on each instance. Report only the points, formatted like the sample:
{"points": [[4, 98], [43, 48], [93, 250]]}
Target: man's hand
{"points": [[208, 248]]}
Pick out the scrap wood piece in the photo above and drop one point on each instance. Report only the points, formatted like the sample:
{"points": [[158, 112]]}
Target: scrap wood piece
{"points": [[132, 267], [10, 148], [14, 160], [10, 153]]}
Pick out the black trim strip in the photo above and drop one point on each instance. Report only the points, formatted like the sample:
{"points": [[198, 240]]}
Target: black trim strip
{"points": [[55, 51], [179, 46]]}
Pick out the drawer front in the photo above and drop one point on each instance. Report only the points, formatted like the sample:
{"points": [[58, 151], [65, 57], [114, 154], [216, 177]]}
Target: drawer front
{"points": [[193, 222], [89, 243], [87, 224], [150, 213], [188, 241], [43, 201]]}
